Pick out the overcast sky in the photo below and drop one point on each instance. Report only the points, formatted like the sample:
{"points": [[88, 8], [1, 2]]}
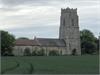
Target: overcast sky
{"points": [[41, 18]]}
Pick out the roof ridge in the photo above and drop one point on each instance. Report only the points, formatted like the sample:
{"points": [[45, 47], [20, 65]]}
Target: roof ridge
{"points": [[49, 38]]}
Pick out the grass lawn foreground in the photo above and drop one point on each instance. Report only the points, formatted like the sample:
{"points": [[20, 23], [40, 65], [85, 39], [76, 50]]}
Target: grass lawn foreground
{"points": [[86, 64]]}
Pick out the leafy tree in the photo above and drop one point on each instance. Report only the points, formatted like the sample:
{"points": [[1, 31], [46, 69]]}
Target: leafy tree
{"points": [[7, 43], [23, 38], [27, 52], [88, 42], [97, 42]]}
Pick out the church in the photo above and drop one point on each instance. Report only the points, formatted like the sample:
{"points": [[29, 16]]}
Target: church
{"points": [[68, 41]]}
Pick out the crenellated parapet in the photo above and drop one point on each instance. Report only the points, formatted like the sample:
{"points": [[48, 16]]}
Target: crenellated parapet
{"points": [[68, 10]]}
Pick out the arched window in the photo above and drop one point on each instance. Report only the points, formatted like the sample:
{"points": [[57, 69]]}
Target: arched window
{"points": [[27, 52]]}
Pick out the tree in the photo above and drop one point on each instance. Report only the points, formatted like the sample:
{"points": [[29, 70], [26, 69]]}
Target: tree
{"points": [[7, 43], [97, 42], [24, 38], [88, 42]]}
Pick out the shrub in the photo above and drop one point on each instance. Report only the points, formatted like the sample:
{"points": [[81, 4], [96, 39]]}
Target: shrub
{"points": [[34, 53], [38, 53], [41, 53], [8, 54]]}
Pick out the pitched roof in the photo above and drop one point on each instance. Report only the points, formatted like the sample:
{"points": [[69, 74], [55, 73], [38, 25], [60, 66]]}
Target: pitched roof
{"points": [[40, 42], [51, 42], [25, 42]]}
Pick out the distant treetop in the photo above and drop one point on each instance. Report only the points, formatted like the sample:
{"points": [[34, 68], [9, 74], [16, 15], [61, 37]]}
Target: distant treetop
{"points": [[23, 38]]}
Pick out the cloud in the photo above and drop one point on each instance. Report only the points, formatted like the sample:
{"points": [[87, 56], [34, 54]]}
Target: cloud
{"points": [[41, 31], [38, 16], [14, 3], [31, 17]]}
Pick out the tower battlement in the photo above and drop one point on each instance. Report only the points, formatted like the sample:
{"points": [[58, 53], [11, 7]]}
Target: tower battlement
{"points": [[68, 10]]}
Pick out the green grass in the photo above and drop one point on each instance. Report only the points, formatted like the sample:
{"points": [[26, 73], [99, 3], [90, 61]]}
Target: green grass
{"points": [[8, 64], [88, 64]]}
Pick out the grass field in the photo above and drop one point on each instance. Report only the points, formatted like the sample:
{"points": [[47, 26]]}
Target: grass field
{"points": [[88, 64]]}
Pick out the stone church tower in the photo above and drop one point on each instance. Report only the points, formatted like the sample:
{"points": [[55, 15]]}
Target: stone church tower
{"points": [[69, 30]]}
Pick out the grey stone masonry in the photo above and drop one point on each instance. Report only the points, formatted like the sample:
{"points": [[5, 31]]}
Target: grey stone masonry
{"points": [[69, 30]]}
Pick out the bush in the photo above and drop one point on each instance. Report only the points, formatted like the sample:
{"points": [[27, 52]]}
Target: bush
{"points": [[41, 53], [34, 53], [8, 54], [38, 53]]}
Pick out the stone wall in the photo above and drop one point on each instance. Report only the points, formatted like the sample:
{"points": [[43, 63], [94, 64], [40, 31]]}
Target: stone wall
{"points": [[19, 50]]}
